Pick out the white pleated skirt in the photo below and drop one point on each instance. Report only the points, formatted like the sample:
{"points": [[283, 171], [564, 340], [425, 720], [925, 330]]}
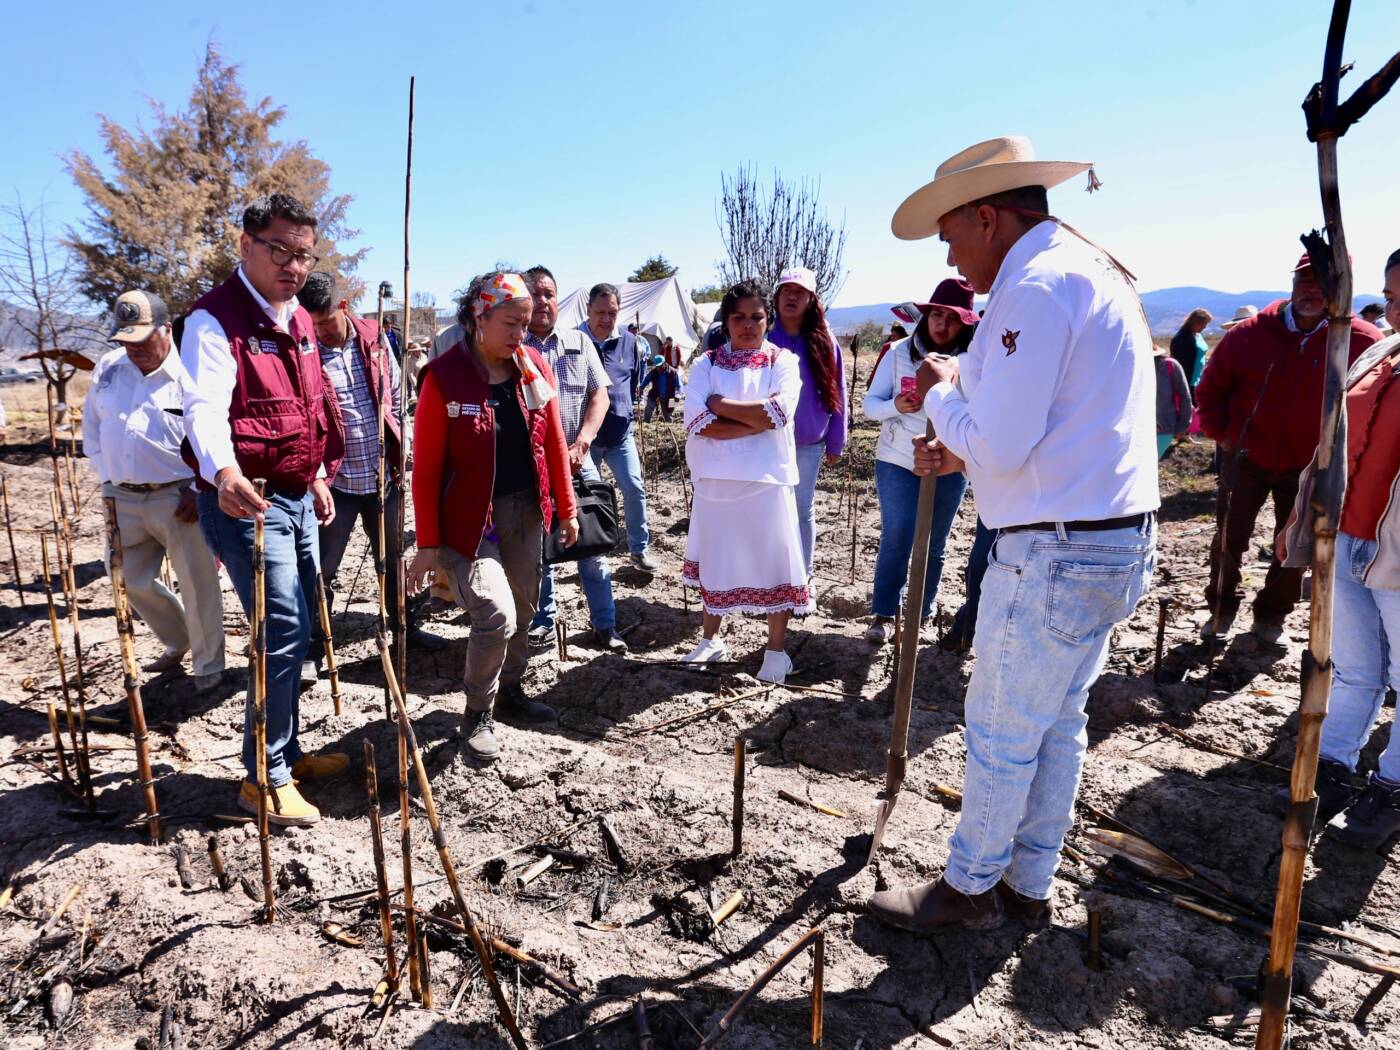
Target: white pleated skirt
{"points": [[744, 549]]}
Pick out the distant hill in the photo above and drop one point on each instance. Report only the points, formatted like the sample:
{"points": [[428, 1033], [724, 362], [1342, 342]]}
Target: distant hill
{"points": [[15, 341], [1166, 308]]}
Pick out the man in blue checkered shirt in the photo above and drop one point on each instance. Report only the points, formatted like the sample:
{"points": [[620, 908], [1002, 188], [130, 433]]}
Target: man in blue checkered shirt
{"points": [[352, 363]]}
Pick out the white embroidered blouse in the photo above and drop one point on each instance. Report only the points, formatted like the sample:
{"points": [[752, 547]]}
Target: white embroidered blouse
{"points": [[769, 374]]}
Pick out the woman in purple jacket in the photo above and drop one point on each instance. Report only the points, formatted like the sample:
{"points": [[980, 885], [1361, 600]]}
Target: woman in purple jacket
{"points": [[819, 428]]}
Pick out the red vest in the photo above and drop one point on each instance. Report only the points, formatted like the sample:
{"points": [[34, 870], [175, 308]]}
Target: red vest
{"points": [[365, 333], [283, 414], [470, 458]]}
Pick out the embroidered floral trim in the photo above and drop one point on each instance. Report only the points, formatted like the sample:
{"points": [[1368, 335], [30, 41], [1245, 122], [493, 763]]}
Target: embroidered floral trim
{"points": [[775, 412], [757, 600], [732, 360], [700, 422]]}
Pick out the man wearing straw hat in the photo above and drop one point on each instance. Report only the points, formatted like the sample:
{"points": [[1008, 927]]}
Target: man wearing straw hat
{"points": [[1051, 413]]}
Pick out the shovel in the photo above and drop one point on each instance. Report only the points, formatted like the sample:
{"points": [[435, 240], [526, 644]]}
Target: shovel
{"points": [[908, 641]]}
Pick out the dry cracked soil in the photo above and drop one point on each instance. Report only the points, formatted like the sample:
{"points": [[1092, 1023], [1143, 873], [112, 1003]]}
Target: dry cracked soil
{"points": [[649, 746]]}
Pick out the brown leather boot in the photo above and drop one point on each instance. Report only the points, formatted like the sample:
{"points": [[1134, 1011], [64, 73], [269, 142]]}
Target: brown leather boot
{"points": [[934, 906], [1031, 912]]}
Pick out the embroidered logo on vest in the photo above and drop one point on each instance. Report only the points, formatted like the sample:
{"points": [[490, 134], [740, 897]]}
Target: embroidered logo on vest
{"points": [[1008, 340], [266, 346], [306, 346], [454, 409]]}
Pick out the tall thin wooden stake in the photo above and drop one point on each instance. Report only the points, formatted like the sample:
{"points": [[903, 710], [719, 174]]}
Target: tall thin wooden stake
{"points": [[381, 478], [70, 588], [740, 768], [58, 749], [258, 682], [1327, 121], [449, 870], [381, 876], [818, 988], [401, 591], [53, 446], [331, 670], [131, 680], [10, 532], [80, 754], [406, 853]]}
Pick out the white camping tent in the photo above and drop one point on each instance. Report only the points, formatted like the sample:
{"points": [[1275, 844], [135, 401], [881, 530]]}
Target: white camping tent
{"points": [[663, 308]]}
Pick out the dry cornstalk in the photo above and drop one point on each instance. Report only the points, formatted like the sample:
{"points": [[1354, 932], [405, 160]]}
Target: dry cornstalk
{"points": [[53, 444], [561, 638], [425, 788], [425, 973], [216, 861], [728, 908], [58, 749], [1327, 121], [639, 1020], [70, 589], [131, 681], [737, 821], [258, 679], [381, 475], [1163, 603], [410, 933], [401, 590], [10, 532], [534, 871], [80, 754], [331, 670], [381, 876], [58, 912], [1093, 958], [798, 800], [818, 988], [703, 712], [553, 976], [723, 1025], [612, 842]]}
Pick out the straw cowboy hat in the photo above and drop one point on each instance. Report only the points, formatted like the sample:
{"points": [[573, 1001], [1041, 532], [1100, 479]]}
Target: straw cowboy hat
{"points": [[979, 171], [1242, 313]]}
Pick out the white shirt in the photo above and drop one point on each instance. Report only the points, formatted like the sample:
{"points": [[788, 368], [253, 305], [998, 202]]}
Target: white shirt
{"points": [[771, 375], [213, 373], [897, 429], [1054, 412], [133, 424]]}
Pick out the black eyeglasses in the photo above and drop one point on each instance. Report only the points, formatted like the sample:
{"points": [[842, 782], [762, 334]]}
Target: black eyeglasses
{"points": [[282, 255]]}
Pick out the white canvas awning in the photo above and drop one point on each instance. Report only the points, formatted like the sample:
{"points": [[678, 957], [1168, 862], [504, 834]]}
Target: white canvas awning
{"points": [[660, 309]]}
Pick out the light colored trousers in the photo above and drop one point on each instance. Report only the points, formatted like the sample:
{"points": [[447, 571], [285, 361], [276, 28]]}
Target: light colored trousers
{"points": [[1049, 603], [150, 532], [499, 589]]}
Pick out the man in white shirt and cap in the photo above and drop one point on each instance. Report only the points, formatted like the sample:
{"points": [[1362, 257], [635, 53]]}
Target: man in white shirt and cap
{"points": [[133, 424], [1051, 413]]}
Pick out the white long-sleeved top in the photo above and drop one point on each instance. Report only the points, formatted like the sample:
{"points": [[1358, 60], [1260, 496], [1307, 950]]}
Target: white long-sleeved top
{"points": [[897, 429], [769, 374], [133, 423], [213, 373], [1054, 412]]}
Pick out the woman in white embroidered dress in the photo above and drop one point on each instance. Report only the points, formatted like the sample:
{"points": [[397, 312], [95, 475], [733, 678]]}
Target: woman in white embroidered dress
{"points": [[744, 549]]}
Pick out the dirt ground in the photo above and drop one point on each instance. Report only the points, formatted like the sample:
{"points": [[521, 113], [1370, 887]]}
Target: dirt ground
{"points": [[646, 744]]}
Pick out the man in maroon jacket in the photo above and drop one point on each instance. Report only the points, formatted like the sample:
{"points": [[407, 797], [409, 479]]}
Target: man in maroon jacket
{"points": [[259, 406], [1260, 399]]}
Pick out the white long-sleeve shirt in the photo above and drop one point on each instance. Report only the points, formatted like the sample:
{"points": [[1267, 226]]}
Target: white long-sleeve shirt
{"points": [[770, 375], [1054, 412], [213, 373], [133, 423]]}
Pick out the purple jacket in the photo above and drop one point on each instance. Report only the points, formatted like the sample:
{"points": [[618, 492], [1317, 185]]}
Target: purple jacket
{"points": [[813, 422]]}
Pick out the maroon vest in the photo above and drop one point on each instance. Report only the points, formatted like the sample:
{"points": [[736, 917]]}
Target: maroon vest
{"points": [[469, 464], [366, 332], [283, 415]]}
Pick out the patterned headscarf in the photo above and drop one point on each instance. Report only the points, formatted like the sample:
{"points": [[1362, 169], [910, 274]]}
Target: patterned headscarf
{"points": [[503, 288]]}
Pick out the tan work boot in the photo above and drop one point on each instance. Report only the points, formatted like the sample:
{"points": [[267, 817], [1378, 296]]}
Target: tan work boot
{"points": [[320, 767], [285, 806]]}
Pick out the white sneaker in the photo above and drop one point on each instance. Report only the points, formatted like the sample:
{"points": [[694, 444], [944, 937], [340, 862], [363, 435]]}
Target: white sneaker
{"points": [[708, 651], [776, 666]]}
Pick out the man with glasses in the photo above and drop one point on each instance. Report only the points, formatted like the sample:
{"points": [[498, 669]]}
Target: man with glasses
{"points": [[259, 406], [133, 425]]}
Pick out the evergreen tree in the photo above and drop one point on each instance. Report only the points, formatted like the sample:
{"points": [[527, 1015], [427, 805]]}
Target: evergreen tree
{"points": [[654, 269]]}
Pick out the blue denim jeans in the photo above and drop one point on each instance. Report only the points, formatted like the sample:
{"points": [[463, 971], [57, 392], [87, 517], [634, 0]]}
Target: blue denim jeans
{"points": [[1366, 658], [335, 538], [809, 464], [1049, 603], [290, 556], [965, 620], [626, 466], [593, 574], [899, 508]]}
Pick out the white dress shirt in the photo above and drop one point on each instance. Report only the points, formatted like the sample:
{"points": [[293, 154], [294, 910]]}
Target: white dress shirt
{"points": [[213, 374], [133, 423], [1054, 412]]}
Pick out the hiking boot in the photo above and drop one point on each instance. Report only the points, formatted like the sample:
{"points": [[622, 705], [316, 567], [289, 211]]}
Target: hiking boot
{"points": [[514, 706], [607, 638], [479, 736], [1333, 789], [1210, 629], [777, 665], [934, 906], [320, 767], [708, 651], [169, 660], [285, 806], [1031, 912], [1268, 631], [955, 642], [1372, 817], [642, 561], [425, 641], [880, 631], [540, 636]]}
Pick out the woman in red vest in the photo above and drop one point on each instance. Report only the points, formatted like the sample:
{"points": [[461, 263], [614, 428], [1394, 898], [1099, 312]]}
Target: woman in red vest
{"points": [[488, 452]]}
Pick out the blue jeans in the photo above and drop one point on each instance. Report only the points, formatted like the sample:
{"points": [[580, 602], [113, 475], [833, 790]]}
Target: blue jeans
{"points": [[336, 537], [899, 508], [1366, 657], [809, 463], [595, 576], [290, 554], [1049, 603], [965, 620], [627, 472]]}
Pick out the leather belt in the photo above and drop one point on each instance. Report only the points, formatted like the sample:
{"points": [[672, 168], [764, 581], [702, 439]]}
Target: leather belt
{"points": [[1132, 521], [153, 487]]}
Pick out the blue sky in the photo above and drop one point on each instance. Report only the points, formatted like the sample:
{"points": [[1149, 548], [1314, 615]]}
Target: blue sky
{"points": [[590, 135]]}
